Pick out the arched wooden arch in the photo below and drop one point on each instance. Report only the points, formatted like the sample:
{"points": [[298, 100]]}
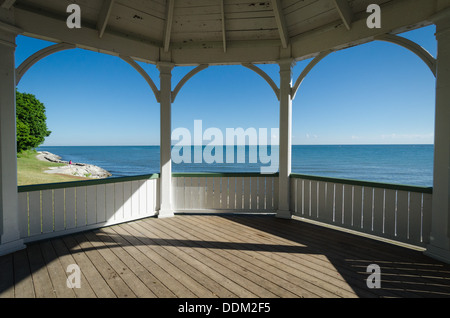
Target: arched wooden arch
{"points": [[186, 78], [144, 74], [306, 71], [266, 77], [415, 48], [36, 57]]}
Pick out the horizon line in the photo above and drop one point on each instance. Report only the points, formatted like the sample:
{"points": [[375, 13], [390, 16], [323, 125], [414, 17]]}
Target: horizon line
{"points": [[374, 144]]}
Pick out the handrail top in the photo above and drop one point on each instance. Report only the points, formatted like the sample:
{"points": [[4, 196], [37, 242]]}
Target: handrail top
{"points": [[221, 174], [85, 183], [373, 184]]}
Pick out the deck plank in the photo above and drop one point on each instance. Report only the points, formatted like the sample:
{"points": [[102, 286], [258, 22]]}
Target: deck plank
{"points": [[269, 264], [219, 256], [138, 262], [6, 276], [232, 261], [305, 266], [224, 280], [198, 270], [56, 271], [155, 264], [88, 269], [66, 259], [23, 282], [41, 279], [106, 269], [175, 266], [134, 286]]}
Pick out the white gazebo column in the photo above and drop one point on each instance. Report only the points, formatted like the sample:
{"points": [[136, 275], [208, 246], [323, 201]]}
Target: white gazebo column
{"points": [[165, 70], [439, 246], [285, 138], [9, 222]]}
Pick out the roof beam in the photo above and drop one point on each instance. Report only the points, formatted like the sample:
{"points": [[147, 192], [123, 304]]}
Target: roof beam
{"points": [[281, 22], [224, 33], [7, 4], [105, 13], [169, 22], [345, 12]]}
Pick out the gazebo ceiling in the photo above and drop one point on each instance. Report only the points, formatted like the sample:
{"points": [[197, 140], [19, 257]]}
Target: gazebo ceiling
{"points": [[216, 31]]}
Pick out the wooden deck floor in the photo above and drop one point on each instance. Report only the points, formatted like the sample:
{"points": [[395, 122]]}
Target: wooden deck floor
{"points": [[209, 256]]}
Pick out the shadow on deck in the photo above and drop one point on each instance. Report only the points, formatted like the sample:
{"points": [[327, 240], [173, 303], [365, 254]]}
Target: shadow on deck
{"points": [[219, 256]]}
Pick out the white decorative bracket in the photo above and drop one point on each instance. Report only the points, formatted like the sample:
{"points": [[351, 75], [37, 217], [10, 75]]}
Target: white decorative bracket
{"points": [[144, 74], [266, 77], [36, 57], [186, 78], [429, 60], [306, 71]]}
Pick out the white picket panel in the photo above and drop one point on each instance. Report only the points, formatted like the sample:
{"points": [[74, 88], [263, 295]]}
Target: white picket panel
{"points": [[239, 193], [202, 193], [70, 207], [47, 211], [52, 212], [221, 193], [270, 192], [100, 204], [23, 214], [261, 193], [399, 214], [127, 198], [59, 208], [80, 207]]}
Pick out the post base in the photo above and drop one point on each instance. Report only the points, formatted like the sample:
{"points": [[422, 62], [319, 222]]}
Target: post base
{"points": [[438, 253], [165, 214], [11, 247], [281, 214]]}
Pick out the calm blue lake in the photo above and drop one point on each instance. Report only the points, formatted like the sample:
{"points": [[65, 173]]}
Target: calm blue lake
{"points": [[401, 164]]}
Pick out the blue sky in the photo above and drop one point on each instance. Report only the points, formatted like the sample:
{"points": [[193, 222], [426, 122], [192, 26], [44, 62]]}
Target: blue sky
{"points": [[377, 93]]}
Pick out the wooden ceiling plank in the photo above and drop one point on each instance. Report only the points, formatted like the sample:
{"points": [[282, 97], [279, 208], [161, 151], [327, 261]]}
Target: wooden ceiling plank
{"points": [[105, 13], [224, 31], [169, 23], [345, 12], [7, 4], [281, 22]]}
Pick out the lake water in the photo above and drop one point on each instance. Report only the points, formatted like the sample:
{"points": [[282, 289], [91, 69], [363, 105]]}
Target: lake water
{"points": [[400, 164]]}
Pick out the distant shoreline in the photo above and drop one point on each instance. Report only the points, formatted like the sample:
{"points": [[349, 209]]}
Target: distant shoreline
{"points": [[72, 169]]}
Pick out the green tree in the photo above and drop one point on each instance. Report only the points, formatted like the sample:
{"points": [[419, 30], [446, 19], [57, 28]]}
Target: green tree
{"points": [[31, 122]]}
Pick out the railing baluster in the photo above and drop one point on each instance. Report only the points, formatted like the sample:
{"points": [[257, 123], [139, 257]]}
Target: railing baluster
{"points": [[60, 209], [101, 202], [202, 193], [70, 206], [225, 194], [47, 211], [262, 193], [35, 213]]}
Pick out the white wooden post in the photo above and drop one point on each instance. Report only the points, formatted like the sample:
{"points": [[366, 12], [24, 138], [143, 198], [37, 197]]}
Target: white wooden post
{"points": [[165, 70], [439, 246], [285, 137], [9, 222]]}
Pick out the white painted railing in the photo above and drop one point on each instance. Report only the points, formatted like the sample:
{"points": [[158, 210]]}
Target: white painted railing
{"points": [[216, 192], [396, 212], [401, 213], [59, 209]]}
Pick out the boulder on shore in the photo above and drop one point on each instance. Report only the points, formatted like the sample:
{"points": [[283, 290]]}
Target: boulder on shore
{"points": [[73, 169]]}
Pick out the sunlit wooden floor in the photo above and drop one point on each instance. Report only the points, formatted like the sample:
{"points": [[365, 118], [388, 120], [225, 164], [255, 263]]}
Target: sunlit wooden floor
{"points": [[208, 256]]}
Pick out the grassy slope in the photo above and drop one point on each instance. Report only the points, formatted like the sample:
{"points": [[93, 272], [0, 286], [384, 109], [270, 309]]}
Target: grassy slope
{"points": [[31, 171]]}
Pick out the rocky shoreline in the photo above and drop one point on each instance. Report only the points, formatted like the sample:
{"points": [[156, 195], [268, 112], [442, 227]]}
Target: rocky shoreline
{"points": [[73, 169]]}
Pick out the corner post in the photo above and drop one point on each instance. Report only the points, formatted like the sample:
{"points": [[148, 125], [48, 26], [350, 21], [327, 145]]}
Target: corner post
{"points": [[9, 200], [165, 69], [439, 246], [285, 137]]}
